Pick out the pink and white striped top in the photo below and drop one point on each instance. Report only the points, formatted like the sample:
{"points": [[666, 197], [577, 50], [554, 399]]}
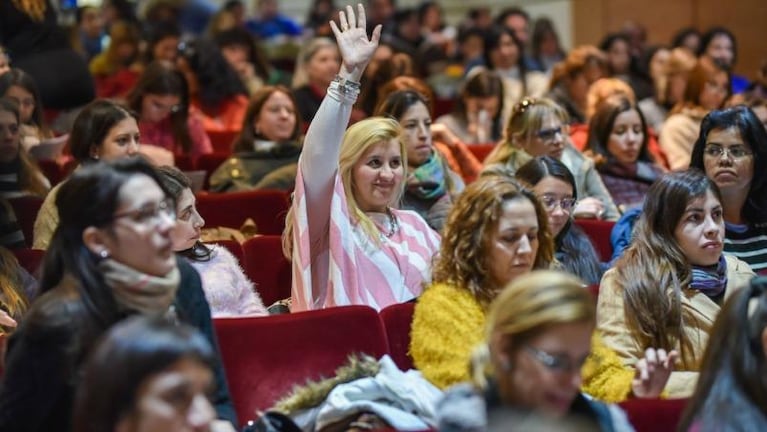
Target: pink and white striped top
{"points": [[356, 270]]}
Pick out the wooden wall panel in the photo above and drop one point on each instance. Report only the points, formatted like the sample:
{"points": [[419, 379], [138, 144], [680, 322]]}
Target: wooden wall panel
{"points": [[592, 19]]}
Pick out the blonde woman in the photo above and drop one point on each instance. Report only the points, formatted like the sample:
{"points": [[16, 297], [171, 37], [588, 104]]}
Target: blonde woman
{"points": [[538, 127], [347, 243], [316, 66]]}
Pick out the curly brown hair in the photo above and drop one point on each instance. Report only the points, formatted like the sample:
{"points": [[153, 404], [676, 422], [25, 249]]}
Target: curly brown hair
{"points": [[463, 257]]}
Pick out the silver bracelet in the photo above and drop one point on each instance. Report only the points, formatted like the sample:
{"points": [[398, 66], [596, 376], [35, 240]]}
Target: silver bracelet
{"points": [[346, 86]]}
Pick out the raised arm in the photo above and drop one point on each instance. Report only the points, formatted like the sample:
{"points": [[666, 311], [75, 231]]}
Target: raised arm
{"points": [[319, 159]]}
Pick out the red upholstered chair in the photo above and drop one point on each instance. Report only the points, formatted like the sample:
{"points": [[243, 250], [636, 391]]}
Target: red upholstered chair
{"points": [[222, 141], [654, 415], [30, 259], [52, 171], [594, 290], [267, 208], [26, 209], [481, 150], [184, 162], [209, 163], [397, 320], [599, 234], [235, 248], [265, 357], [267, 267]]}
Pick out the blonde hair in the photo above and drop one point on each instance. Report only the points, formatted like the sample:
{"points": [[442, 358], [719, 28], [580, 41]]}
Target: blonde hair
{"points": [[305, 54], [357, 140], [602, 89], [680, 62], [529, 305], [11, 286], [576, 62], [34, 9], [526, 119]]}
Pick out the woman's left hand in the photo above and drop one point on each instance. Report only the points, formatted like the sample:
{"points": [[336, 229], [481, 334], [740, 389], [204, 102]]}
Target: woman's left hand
{"points": [[356, 49], [652, 373]]}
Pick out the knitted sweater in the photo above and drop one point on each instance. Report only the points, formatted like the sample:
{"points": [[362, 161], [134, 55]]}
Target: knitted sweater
{"points": [[449, 323]]}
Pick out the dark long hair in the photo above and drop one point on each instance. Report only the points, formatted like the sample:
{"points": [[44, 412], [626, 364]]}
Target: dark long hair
{"points": [[709, 36], [92, 126], [175, 182], [753, 134], [731, 394], [19, 78], [482, 84], [30, 176], [216, 78], [138, 348], [493, 41], [602, 122], [244, 141], [654, 270], [165, 80], [573, 247], [89, 198]]}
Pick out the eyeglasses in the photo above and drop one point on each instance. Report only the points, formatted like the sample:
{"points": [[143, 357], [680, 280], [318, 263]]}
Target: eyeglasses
{"points": [[736, 152], [555, 363], [150, 214], [551, 202], [549, 135]]}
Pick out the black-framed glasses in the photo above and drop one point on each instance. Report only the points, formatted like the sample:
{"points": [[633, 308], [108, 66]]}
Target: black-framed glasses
{"points": [[550, 202], [554, 362], [549, 135], [736, 151], [150, 213]]}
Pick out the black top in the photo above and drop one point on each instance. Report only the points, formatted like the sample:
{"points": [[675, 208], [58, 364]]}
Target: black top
{"points": [[46, 352], [308, 102], [23, 36]]}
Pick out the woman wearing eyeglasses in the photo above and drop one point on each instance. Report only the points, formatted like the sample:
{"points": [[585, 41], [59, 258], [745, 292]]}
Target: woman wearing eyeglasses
{"points": [[161, 98], [732, 150], [527, 370], [618, 140], [110, 257], [554, 186], [538, 127], [669, 285]]}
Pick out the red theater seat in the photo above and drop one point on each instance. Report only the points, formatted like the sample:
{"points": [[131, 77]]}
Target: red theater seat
{"points": [[26, 209], [397, 320], [222, 141], [654, 415], [267, 208], [267, 267], [209, 163], [481, 151], [29, 259], [265, 357], [599, 234]]}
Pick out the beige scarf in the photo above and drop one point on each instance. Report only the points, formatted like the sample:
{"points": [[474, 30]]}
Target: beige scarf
{"points": [[140, 292]]}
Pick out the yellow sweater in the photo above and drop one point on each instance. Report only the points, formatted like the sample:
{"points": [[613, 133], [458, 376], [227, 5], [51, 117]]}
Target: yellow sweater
{"points": [[449, 323]]}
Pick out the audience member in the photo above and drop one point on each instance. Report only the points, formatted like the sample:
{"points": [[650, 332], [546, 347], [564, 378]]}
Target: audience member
{"points": [[623, 65], [669, 81], [19, 174], [316, 65], [476, 118], [572, 77], [546, 50], [117, 69], [20, 86], [718, 44], [348, 245]]}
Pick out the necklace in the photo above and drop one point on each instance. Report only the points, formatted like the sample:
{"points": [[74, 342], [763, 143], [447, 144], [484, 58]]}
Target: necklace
{"points": [[393, 223]]}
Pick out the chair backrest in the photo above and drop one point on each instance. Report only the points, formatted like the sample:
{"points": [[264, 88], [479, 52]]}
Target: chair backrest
{"points": [[267, 208], [235, 248], [222, 141], [267, 267], [52, 170], [265, 357], [26, 209], [397, 320], [654, 415], [481, 151], [209, 163], [29, 259], [599, 234]]}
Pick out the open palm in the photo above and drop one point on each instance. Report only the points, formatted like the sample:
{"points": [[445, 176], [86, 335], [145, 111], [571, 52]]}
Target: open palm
{"points": [[356, 49]]}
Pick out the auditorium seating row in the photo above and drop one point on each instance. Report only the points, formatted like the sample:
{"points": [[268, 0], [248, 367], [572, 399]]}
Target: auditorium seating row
{"points": [[266, 357]]}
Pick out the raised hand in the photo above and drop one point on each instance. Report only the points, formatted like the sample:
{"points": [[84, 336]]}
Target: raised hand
{"points": [[356, 49], [652, 373]]}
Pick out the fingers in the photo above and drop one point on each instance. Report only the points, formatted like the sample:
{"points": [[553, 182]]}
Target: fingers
{"points": [[376, 34], [642, 372], [361, 18], [350, 19], [335, 29], [652, 356]]}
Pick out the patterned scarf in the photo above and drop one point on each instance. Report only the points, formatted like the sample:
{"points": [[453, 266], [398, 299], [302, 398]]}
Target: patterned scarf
{"points": [[710, 280], [428, 180], [140, 292]]}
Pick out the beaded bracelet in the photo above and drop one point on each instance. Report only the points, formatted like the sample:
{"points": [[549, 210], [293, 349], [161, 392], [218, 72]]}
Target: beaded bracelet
{"points": [[346, 86]]}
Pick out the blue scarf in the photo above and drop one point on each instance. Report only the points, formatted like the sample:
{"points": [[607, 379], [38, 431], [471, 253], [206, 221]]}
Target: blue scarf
{"points": [[428, 180], [710, 280]]}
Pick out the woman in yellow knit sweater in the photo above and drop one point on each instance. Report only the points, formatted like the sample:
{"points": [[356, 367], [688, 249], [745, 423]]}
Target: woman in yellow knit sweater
{"points": [[496, 232]]}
